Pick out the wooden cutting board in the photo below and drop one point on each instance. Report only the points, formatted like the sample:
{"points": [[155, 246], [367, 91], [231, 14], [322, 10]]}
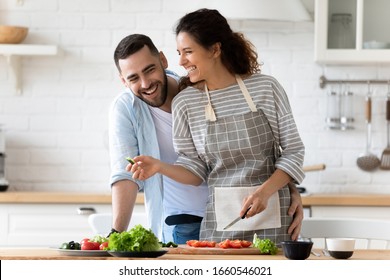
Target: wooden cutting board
{"points": [[188, 250]]}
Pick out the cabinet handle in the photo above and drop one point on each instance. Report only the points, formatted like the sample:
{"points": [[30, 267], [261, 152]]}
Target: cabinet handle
{"points": [[86, 210]]}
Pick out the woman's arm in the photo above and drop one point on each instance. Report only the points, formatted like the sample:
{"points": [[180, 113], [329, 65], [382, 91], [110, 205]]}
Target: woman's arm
{"points": [[146, 166]]}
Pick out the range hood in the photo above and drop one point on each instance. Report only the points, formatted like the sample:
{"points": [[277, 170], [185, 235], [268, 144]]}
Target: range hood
{"points": [[276, 10]]}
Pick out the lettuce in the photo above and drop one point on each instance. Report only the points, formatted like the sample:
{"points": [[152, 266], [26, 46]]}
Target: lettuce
{"points": [[266, 246], [137, 239]]}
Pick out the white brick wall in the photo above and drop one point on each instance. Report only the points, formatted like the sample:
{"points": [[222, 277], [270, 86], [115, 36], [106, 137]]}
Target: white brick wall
{"points": [[56, 131]]}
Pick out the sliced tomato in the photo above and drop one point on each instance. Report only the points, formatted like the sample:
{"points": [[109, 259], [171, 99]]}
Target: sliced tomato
{"points": [[235, 243], [245, 243], [224, 244], [191, 242], [211, 243]]}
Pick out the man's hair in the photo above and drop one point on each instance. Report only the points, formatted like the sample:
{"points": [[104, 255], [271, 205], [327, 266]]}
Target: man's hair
{"points": [[132, 44]]}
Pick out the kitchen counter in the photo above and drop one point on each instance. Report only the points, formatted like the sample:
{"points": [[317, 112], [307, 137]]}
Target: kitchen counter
{"points": [[328, 199], [53, 254], [59, 197]]}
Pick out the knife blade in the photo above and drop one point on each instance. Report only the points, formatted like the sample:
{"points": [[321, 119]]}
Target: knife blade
{"points": [[237, 219]]}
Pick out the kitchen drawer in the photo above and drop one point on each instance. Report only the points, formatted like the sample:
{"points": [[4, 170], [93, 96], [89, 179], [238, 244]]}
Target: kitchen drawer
{"points": [[46, 224]]}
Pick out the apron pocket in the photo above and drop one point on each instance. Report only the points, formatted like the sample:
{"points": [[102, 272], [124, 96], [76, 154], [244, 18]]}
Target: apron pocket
{"points": [[228, 203]]}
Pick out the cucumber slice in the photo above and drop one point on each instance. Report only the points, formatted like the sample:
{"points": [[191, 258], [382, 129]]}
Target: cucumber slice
{"points": [[129, 159]]}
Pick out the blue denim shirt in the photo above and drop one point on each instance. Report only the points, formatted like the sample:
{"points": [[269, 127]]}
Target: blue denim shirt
{"points": [[132, 132]]}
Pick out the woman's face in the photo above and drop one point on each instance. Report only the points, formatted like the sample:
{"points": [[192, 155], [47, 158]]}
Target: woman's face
{"points": [[198, 61]]}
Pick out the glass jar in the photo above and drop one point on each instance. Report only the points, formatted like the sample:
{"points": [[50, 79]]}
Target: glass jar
{"points": [[340, 33]]}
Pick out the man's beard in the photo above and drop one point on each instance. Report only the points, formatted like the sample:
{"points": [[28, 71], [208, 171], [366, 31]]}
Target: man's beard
{"points": [[162, 98]]}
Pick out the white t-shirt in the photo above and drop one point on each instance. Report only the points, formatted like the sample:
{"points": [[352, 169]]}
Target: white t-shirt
{"points": [[178, 198]]}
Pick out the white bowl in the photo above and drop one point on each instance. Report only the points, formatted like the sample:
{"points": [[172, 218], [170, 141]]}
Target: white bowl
{"points": [[376, 45]]}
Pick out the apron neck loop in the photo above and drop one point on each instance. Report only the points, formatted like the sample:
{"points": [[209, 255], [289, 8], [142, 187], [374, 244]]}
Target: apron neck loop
{"points": [[246, 94], [209, 111]]}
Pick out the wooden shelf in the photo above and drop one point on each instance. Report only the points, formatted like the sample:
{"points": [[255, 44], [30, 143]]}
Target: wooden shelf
{"points": [[14, 53]]}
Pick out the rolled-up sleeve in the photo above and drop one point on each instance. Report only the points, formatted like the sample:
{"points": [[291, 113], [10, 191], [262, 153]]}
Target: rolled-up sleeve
{"points": [[183, 141], [292, 147]]}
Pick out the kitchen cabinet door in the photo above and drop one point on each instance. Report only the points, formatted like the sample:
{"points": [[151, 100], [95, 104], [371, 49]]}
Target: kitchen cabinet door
{"points": [[352, 32], [47, 225]]}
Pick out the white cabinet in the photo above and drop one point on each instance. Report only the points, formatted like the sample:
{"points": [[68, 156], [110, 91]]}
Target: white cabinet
{"points": [[46, 225], [349, 32]]}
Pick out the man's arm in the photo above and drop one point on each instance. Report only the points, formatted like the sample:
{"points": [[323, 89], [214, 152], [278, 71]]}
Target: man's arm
{"points": [[124, 194], [295, 210]]}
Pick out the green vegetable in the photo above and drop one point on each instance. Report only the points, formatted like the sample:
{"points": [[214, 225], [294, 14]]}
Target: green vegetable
{"points": [[64, 246], [169, 244], [99, 238], [266, 246], [129, 159], [137, 239], [71, 245]]}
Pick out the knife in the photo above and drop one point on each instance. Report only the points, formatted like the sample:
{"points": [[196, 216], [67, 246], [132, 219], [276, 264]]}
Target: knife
{"points": [[237, 219]]}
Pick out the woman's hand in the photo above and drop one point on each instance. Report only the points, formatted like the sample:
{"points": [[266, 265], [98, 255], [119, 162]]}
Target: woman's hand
{"points": [[258, 201], [144, 167], [296, 211]]}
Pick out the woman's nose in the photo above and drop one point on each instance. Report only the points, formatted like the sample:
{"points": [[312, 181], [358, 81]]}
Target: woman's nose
{"points": [[182, 60]]}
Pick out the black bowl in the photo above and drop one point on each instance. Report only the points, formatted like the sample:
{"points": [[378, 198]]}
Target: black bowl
{"points": [[297, 250], [341, 254], [3, 188]]}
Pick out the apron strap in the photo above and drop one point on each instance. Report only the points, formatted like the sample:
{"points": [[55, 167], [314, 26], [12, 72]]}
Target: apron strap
{"points": [[209, 111], [246, 94]]}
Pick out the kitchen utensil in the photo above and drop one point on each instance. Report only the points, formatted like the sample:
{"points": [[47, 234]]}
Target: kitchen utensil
{"points": [[367, 161], [237, 219], [315, 167], [12, 34], [385, 160]]}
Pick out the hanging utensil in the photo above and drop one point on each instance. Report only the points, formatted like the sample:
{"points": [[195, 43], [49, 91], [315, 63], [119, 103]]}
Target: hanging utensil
{"points": [[368, 161], [385, 160]]}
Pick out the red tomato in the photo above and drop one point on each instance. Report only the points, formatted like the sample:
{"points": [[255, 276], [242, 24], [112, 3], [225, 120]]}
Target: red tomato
{"points": [[103, 245], [211, 243], [224, 244], [235, 243], [245, 243], [84, 240], [87, 245], [191, 242]]}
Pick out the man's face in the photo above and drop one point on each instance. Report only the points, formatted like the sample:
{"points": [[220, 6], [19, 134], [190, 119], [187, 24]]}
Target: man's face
{"points": [[143, 73]]}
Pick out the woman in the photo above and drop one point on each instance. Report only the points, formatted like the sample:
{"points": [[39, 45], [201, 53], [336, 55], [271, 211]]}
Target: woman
{"points": [[233, 128]]}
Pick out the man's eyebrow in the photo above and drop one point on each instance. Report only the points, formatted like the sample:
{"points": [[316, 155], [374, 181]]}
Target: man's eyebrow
{"points": [[143, 71]]}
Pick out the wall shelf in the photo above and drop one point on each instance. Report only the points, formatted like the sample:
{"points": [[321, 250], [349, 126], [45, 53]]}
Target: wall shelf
{"points": [[13, 54]]}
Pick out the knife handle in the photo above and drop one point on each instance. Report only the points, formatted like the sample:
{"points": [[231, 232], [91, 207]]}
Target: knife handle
{"points": [[243, 216]]}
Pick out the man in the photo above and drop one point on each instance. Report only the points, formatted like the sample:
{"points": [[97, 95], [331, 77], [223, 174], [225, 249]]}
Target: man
{"points": [[141, 123]]}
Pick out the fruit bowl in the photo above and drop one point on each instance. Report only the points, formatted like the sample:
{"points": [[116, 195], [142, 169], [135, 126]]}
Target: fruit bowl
{"points": [[12, 34]]}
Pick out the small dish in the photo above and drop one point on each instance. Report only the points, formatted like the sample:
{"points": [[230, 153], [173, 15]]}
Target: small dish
{"points": [[145, 254], [82, 253]]}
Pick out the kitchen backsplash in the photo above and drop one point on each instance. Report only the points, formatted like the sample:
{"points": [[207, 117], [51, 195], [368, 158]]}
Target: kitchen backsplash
{"points": [[56, 131]]}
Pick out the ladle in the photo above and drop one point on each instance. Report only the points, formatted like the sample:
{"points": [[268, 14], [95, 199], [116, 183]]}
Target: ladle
{"points": [[367, 161]]}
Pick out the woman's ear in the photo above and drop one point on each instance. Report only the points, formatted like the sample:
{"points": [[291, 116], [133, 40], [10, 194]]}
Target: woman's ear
{"points": [[216, 48]]}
